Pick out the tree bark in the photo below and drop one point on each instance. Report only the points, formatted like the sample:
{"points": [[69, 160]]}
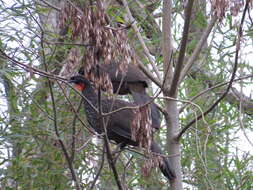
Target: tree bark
{"points": [[173, 147]]}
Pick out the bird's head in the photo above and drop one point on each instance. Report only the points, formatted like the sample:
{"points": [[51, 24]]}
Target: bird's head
{"points": [[80, 83]]}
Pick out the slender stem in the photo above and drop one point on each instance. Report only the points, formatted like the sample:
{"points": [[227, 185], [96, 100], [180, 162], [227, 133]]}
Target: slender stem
{"points": [[180, 61], [106, 139], [99, 170], [64, 149], [73, 144], [50, 5], [74, 110], [198, 48], [239, 35], [143, 44], [211, 88]]}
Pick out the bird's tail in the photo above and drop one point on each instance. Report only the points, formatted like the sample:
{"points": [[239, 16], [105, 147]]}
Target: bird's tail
{"points": [[165, 166]]}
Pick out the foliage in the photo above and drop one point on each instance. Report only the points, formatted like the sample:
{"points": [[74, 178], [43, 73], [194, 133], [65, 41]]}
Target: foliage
{"points": [[215, 152]]}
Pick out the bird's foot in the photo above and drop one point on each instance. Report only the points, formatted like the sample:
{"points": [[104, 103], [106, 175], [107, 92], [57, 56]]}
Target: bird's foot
{"points": [[117, 151]]}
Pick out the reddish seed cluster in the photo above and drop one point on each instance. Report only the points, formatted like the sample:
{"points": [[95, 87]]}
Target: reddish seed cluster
{"points": [[235, 7], [141, 127], [221, 6], [89, 25], [152, 162], [72, 63]]}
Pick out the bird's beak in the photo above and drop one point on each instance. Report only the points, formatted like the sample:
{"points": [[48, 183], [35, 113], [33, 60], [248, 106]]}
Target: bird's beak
{"points": [[71, 81]]}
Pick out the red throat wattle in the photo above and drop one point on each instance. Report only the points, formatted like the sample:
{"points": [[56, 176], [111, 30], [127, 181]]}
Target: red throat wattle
{"points": [[80, 87]]}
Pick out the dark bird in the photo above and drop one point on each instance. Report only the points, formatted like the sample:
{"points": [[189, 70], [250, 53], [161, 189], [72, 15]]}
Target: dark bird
{"points": [[132, 82], [119, 123]]}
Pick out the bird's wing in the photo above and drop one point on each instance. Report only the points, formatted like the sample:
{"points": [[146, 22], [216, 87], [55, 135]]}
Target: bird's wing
{"points": [[120, 122]]}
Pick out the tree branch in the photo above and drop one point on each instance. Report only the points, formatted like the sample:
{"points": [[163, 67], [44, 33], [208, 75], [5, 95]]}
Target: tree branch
{"points": [[198, 48], [73, 143], [180, 62], [167, 42], [99, 170], [239, 35], [75, 111], [50, 5], [134, 26], [232, 96], [64, 149], [106, 139]]}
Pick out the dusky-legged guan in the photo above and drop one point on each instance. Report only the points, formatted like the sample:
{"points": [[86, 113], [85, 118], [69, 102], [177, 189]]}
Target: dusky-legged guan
{"points": [[119, 123], [132, 82]]}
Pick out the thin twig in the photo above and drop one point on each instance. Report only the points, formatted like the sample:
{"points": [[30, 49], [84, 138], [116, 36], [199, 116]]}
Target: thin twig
{"points": [[77, 8], [31, 69], [85, 144], [198, 48], [125, 169], [67, 44], [186, 101], [239, 35], [212, 88], [73, 144], [74, 110], [149, 74], [145, 48], [50, 5], [180, 61], [39, 106], [99, 170], [64, 149], [106, 139]]}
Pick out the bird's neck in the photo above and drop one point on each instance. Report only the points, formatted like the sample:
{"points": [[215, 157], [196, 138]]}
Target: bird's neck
{"points": [[90, 94], [91, 114]]}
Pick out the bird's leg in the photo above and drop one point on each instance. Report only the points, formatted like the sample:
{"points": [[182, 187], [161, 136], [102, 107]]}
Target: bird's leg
{"points": [[117, 151]]}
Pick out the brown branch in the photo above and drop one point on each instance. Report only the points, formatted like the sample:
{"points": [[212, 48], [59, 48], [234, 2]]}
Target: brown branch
{"points": [[167, 42], [106, 139], [31, 69], [50, 5], [68, 44], [179, 64], [239, 35], [73, 144], [212, 88], [75, 111], [99, 170], [63, 147], [198, 48], [143, 44], [149, 74]]}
